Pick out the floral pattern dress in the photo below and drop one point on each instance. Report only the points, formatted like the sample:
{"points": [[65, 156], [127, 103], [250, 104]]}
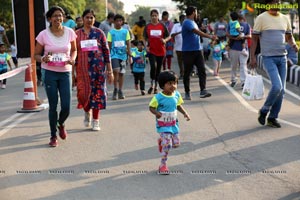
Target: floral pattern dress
{"points": [[90, 70]]}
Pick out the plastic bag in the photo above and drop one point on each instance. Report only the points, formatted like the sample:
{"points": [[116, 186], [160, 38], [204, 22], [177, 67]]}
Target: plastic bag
{"points": [[254, 87]]}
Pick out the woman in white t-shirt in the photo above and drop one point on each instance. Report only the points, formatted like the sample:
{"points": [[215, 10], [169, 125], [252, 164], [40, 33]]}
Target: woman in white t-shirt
{"points": [[59, 46]]}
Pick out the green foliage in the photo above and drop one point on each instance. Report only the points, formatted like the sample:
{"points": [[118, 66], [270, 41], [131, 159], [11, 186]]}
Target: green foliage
{"points": [[140, 11], [212, 9], [99, 6], [75, 8], [6, 19], [116, 6]]}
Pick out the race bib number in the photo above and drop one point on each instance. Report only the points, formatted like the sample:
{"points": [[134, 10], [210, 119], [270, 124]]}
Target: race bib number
{"points": [[167, 119], [155, 33], [217, 49], [221, 26], [119, 44], [2, 61], [89, 45], [58, 60]]}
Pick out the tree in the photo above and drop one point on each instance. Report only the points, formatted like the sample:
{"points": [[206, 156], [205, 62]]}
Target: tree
{"points": [[116, 6], [99, 6], [140, 11], [6, 18], [212, 9], [73, 7]]}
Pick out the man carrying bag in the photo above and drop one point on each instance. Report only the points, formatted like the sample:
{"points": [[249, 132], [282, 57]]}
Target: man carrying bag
{"points": [[272, 29]]}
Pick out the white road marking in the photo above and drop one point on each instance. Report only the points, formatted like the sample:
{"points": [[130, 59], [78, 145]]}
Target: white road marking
{"points": [[15, 122], [247, 105]]}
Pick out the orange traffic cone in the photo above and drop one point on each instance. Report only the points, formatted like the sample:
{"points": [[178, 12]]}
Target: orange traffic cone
{"points": [[29, 101]]}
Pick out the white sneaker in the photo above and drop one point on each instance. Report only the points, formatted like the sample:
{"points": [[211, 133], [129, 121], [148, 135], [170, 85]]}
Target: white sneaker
{"points": [[87, 119], [226, 54], [3, 86], [95, 125], [245, 52]]}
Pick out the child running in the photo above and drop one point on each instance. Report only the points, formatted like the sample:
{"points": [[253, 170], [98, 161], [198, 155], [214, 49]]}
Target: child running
{"points": [[139, 65], [217, 48], [4, 61], [164, 106]]}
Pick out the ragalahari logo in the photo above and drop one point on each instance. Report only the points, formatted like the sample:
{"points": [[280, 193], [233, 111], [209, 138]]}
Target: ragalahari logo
{"points": [[246, 7]]}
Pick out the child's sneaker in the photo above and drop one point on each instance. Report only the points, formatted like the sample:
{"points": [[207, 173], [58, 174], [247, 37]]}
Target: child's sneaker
{"points": [[245, 52], [121, 95], [3, 86], [163, 170], [115, 93], [159, 145], [226, 54]]}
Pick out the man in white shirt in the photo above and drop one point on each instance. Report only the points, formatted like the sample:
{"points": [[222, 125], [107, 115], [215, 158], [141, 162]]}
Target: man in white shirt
{"points": [[176, 34]]}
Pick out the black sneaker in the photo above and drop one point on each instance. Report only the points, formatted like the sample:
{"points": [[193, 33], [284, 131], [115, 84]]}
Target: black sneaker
{"points": [[233, 83], [187, 96], [150, 90], [242, 85], [114, 97], [121, 95], [262, 117], [204, 94], [272, 122]]}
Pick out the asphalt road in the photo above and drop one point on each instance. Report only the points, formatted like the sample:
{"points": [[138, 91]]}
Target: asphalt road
{"points": [[224, 154]]}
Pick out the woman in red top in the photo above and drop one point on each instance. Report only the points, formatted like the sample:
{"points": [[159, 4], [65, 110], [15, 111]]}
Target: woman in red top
{"points": [[156, 36]]}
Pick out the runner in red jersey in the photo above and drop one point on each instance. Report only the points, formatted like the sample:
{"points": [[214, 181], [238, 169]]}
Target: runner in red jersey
{"points": [[156, 36]]}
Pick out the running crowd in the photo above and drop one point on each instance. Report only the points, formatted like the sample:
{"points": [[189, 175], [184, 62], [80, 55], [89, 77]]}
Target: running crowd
{"points": [[86, 54]]}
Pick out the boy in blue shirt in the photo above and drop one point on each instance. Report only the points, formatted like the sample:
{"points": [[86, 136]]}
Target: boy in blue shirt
{"points": [[164, 106], [4, 61], [119, 45]]}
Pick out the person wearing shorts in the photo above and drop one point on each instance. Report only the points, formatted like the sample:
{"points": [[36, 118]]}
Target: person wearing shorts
{"points": [[119, 45]]}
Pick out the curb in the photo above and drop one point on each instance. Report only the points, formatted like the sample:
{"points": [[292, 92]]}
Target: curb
{"points": [[293, 72]]}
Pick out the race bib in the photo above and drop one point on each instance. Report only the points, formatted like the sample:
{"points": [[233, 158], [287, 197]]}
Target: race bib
{"points": [[2, 61], [89, 45], [58, 60], [221, 26], [167, 119], [155, 33], [217, 49], [119, 44]]}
